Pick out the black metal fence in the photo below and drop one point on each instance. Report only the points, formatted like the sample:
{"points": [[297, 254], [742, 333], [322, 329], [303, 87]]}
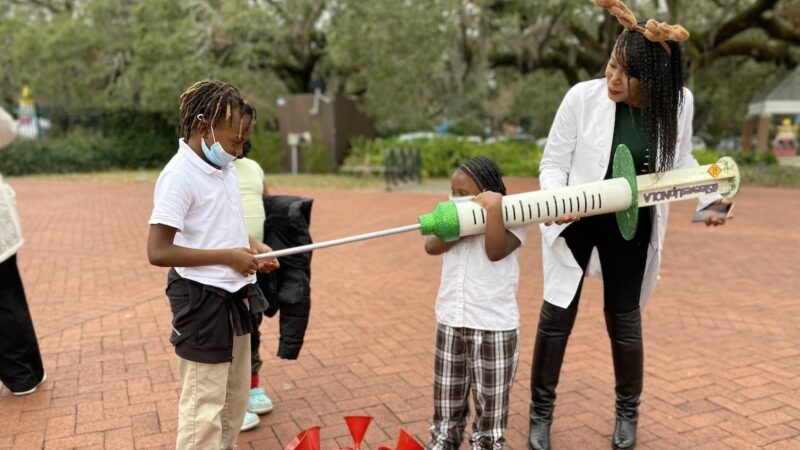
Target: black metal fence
{"points": [[402, 165]]}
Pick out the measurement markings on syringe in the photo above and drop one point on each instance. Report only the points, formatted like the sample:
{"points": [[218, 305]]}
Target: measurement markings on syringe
{"points": [[555, 204]]}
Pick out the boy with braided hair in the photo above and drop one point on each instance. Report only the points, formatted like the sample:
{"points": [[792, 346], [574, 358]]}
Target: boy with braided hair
{"points": [[477, 318], [197, 228]]}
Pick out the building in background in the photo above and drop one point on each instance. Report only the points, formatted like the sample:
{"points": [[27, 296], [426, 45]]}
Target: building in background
{"points": [[334, 121], [772, 108]]}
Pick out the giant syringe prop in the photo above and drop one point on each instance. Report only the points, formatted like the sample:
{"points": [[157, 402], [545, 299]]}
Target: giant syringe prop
{"points": [[623, 194]]}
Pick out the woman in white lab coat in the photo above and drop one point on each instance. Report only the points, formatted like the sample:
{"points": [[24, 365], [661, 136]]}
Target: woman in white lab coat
{"points": [[642, 103]]}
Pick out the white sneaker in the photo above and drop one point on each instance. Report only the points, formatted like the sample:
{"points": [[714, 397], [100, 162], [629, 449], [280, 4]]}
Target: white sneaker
{"points": [[33, 389], [250, 421]]}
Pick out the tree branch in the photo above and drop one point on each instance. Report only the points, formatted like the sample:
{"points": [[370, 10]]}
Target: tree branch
{"points": [[585, 38], [779, 29], [525, 66], [46, 4], [278, 8], [758, 52], [739, 23], [551, 26]]}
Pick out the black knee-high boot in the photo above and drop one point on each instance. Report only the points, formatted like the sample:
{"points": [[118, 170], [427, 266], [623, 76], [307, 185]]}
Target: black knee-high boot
{"points": [[625, 331], [555, 325]]}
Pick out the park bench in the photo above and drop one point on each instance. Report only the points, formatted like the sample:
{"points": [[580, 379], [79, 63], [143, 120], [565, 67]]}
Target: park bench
{"points": [[399, 165]]}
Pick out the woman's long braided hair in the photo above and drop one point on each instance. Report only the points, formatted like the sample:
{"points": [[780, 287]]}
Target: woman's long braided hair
{"points": [[485, 173], [661, 89], [215, 100]]}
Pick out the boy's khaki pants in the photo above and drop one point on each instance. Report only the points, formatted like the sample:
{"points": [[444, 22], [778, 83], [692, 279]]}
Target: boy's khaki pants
{"points": [[214, 400]]}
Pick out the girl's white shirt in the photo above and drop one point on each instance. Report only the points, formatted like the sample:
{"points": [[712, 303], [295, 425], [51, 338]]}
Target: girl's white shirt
{"points": [[474, 291]]}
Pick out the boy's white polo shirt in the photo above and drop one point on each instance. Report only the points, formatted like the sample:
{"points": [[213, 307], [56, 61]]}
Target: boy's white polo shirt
{"points": [[203, 203], [476, 292]]}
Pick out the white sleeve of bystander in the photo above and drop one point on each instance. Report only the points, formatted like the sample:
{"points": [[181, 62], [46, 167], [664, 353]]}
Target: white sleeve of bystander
{"points": [[8, 128]]}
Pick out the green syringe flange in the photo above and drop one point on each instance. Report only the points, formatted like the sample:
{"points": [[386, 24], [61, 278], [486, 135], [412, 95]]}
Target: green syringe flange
{"points": [[628, 219], [442, 222]]}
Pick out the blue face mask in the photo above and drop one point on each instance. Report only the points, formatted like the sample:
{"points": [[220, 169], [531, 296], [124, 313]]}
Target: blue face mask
{"points": [[216, 154]]}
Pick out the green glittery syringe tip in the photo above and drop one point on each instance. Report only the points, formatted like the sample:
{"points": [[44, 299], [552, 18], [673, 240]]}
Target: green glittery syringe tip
{"points": [[442, 222]]}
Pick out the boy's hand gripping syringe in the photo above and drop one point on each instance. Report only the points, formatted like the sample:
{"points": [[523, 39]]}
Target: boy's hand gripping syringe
{"points": [[624, 195]]}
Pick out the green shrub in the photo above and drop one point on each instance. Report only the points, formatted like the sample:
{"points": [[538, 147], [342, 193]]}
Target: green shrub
{"points": [[706, 156], [759, 168], [755, 158], [764, 175], [267, 150], [768, 159], [442, 155], [742, 158], [317, 157], [469, 125], [80, 150]]}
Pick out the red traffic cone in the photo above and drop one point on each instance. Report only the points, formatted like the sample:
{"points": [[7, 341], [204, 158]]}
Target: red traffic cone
{"points": [[306, 444], [404, 442], [358, 428], [307, 440]]}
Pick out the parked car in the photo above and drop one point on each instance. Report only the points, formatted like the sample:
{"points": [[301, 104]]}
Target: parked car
{"points": [[416, 135], [730, 144], [698, 143], [522, 137]]}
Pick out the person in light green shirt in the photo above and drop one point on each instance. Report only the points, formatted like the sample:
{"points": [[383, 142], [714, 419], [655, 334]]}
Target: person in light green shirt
{"points": [[253, 190]]}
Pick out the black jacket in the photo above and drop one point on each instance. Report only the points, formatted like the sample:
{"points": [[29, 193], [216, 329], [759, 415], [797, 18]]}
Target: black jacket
{"points": [[204, 318], [289, 288]]}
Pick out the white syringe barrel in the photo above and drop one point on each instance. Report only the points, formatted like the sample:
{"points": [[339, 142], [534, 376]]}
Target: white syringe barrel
{"points": [[545, 206]]}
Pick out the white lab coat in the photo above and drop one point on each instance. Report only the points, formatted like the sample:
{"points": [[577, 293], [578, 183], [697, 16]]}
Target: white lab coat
{"points": [[578, 151], [10, 231]]}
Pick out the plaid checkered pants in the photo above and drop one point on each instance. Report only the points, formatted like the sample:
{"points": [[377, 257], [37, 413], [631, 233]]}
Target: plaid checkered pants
{"points": [[479, 361]]}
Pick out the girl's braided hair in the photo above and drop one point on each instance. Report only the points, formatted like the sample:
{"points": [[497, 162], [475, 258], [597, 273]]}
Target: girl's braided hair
{"points": [[485, 173], [215, 101]]}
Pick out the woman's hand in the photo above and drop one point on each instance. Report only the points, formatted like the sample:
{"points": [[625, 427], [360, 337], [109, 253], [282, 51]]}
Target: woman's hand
{"points": [[717, 221], [265, 265], [563, 220]]}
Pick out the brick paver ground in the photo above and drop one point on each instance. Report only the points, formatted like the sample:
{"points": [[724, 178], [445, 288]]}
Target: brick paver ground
{"points": [[722, 334]]}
